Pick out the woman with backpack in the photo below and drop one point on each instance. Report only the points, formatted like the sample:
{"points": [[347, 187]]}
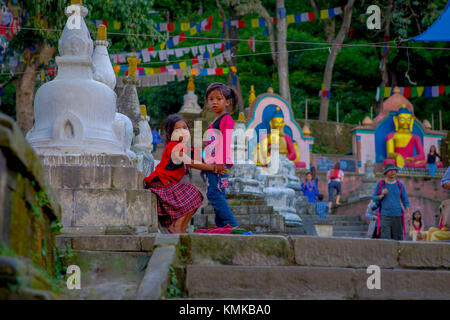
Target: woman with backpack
{"points": [[335, 178]]}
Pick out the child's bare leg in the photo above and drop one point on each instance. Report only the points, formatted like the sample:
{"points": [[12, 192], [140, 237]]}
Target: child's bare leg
{"points": [[337, 199], [186, 220], [175, 227]]}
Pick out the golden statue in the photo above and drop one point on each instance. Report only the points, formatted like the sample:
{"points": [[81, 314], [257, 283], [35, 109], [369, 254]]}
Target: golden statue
{"points": [[286, 146], [400, 144]]}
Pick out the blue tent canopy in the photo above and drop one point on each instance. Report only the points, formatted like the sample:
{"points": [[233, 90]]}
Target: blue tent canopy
{"points": [[439, 30]]}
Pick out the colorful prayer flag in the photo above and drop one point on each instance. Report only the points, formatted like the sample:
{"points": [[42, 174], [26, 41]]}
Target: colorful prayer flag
{"points": [[324, 14], [251, 44], [420, 91], [387, 92], [262, 22], [407, 92]]}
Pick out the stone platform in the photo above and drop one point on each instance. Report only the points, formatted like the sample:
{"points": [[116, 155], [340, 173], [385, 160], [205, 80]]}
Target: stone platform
{"points": [[252, 215], [100, 194], [210, 266]]}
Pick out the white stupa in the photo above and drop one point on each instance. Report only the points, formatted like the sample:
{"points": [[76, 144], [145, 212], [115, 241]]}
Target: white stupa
{"points": [[74, 113], [190, 105]]}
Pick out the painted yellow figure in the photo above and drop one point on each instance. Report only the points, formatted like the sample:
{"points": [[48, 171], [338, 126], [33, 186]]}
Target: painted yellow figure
{"points": [[276, 137], [133, 63], [400, 145]]}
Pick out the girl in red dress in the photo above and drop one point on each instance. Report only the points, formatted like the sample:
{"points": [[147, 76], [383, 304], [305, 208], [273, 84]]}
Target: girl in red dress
{"points": [[177, 201]]}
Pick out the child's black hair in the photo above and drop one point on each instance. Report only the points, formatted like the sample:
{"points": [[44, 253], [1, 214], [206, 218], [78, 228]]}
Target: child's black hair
{"points": [[169, 125], [420, 219], [320, 197], [228, 92]]}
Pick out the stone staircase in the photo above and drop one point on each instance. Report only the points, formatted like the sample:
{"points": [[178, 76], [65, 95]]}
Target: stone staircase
{"points": [[252, 214], [208, 266], [343, 226], [303, 267], [112, 266]]}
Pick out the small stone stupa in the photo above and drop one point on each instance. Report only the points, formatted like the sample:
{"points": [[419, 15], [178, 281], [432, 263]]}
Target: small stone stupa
{"points": [[142, 144], [74, 113], [128, 102], [190, 105], [82, 143]]}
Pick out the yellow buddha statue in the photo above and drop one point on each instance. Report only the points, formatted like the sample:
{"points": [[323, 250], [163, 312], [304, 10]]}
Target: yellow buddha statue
{"points": [[400, 144], [276, 136]]}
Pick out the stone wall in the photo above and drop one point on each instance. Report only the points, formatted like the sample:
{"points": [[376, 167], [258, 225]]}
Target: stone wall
{"points": [[28, 207], [425, 194]]}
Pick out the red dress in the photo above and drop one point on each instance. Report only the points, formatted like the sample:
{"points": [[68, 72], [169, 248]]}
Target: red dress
{"points": [[175, 198]]}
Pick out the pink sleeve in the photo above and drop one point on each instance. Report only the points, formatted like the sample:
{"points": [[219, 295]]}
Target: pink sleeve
{"points": [[226, 128]]}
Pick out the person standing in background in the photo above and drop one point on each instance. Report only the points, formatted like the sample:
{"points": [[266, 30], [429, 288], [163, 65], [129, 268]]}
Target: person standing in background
{"points": [[156, 139], [335, 178], [433, 160]]}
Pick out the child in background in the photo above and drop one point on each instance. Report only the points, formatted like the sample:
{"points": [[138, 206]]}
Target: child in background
{"points": [[315, 179], [441, 231], [322, 207], [309, 188], [156, 139], [177, 201], [218, 151], [371, 215], [416, 231]]}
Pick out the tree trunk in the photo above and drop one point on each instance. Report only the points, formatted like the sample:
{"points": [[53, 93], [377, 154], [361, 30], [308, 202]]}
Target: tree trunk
{"points": [[328, 75], [283, 62], [261, 11], [385, 70], [232, 33], [25, 88]]}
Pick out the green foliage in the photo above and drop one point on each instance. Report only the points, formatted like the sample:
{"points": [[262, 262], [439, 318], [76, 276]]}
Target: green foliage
{"points": [[62, 259], [172, 289], [56, 226], [356, 68]]}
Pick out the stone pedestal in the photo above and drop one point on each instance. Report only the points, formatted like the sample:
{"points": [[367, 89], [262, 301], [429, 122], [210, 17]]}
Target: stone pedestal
{"points": [[100, 194], [278, 191], [368, 186]]}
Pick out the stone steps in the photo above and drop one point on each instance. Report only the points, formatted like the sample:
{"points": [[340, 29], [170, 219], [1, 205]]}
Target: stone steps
{"points": [[302, 267], [350, 234], [343, 226], [242, 210], [259, 223], [108, 275], [299, 282]]}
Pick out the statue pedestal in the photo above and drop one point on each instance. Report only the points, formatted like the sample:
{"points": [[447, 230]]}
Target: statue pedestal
{"points": [[278, 191], [100, 193]]}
